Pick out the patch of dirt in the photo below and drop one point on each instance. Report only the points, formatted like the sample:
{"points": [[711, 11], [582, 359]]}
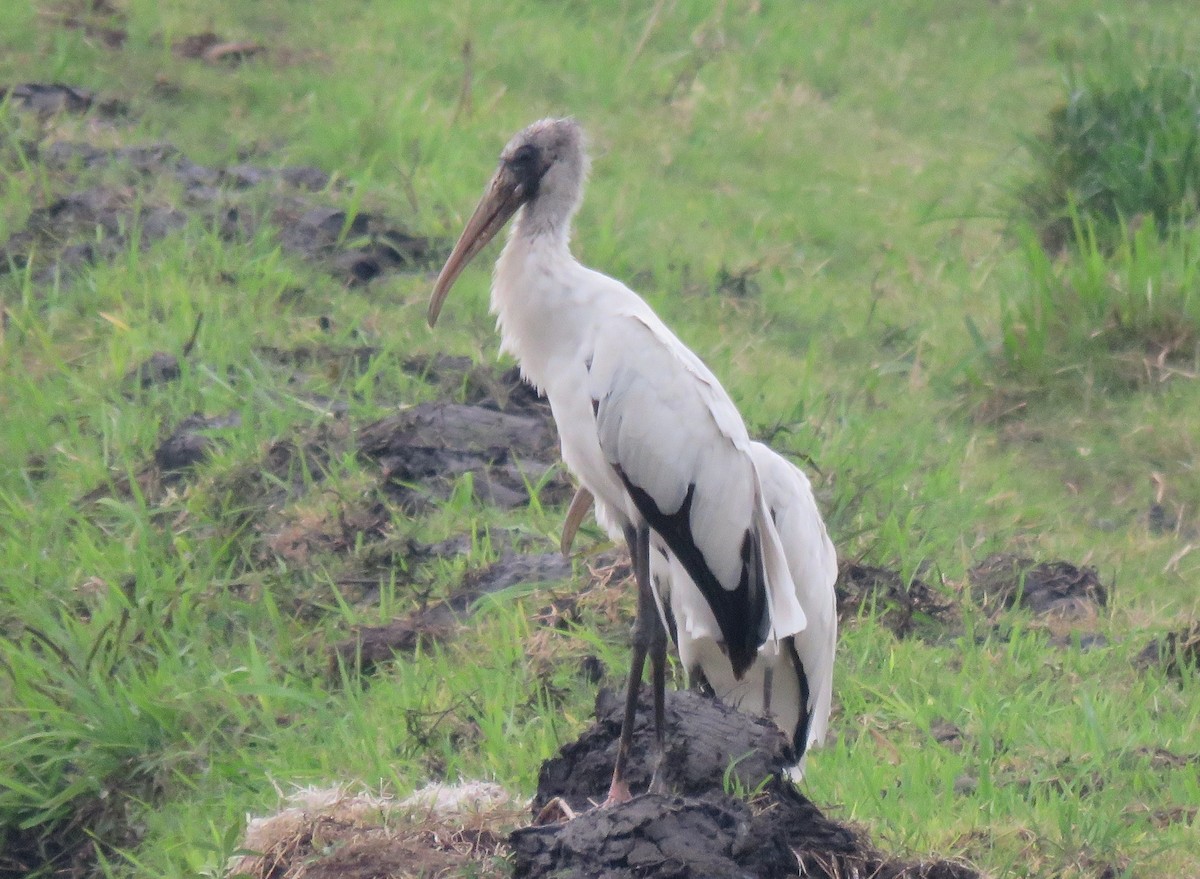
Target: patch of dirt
{"points": [[48, 98], [479, 385], [88, 222], [99, 20], [905, 608], [427, 450], [160, 367], [371, 645], [286, 469], [67, 849], [1053, 589], [1176, 653], [699, 831], [187, 445], [87, 226]]}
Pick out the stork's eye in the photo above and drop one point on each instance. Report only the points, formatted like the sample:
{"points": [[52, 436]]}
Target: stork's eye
{"points": [[525, 157]]}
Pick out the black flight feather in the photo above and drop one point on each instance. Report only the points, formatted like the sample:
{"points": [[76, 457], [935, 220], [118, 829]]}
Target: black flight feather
{"points": [[741, 612]]}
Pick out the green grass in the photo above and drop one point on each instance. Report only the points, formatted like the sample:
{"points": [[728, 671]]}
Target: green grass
{"points": [[1123, 145], [1130, 319], [165, 653]]}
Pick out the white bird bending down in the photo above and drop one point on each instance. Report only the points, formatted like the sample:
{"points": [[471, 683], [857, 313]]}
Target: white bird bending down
{"points": [[643, 424], [794, 685]]}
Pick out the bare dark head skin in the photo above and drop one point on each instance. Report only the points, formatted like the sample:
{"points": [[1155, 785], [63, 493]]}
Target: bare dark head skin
{"points": [[542, 169]]}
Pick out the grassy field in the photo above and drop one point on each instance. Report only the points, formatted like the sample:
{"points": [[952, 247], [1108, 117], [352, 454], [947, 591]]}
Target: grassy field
{"points": [[824, 202]]}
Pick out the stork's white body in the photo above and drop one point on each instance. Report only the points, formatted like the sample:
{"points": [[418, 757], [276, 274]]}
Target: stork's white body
{"points": [[812, 563], [644, 425], [581, 336]]}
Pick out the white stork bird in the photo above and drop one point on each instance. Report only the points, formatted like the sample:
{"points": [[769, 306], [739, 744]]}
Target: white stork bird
{"points": [[643, 424], [793, 686]]}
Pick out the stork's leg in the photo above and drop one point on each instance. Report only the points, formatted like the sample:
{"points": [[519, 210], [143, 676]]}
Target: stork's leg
{"points": [[644, 633], [658, 677]]}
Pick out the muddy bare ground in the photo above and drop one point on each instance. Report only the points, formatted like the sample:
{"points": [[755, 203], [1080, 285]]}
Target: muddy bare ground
{"points": [[698, 829], [371, 645], [157, 190], [1178, 653], [427, 450], [1058, 589], [905, 608]]}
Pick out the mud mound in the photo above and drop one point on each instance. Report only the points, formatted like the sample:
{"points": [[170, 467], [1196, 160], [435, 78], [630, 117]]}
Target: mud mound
{"points": [[905, 608], [700, 830], [1176, 652], [425, 451], [1058, 589], [704, 737]]}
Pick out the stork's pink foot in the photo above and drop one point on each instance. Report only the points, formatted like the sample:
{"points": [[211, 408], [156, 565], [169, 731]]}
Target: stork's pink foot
{"points": [[618, 792]]}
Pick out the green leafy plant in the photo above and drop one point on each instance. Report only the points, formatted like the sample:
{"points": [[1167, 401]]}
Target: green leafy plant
{"points": [[1124, 144]]}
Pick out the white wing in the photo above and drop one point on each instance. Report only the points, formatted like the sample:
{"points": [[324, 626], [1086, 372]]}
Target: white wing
{"points": [[812, 563], [677, 442]]}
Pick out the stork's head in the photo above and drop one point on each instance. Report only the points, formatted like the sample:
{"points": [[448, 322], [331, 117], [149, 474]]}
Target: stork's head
{"points": [[541, 169]]}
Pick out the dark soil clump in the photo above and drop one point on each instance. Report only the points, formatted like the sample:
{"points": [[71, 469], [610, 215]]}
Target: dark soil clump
{"points": [[189, 444], [48, 98], [425, 451], [89, 224], [704, 738], [700, 830], [371, 645], [1057, 589], [1176, 652], [905, 608]]}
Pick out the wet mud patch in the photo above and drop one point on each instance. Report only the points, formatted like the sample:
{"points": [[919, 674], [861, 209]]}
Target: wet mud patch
{"points": [[907, 608], [99, 20], [87, 226], [1176, 653], [190, 444], [286, 470], [161, 367], [698, 830], [105, 199], [1058, 590], [428, 450], [186, 445], [50, 98], [369, 646], [460, 378]]}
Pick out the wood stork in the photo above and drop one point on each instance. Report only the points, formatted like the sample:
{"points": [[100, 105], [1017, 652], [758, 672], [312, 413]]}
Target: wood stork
{"points": [[643, 424], [793, 686]]}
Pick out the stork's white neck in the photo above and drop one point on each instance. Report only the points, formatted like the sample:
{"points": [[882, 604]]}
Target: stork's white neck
{"points": [[536, 297]]}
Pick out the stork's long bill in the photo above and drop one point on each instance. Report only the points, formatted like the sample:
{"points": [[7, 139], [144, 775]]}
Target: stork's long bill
{"points": [[503, 196]]}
